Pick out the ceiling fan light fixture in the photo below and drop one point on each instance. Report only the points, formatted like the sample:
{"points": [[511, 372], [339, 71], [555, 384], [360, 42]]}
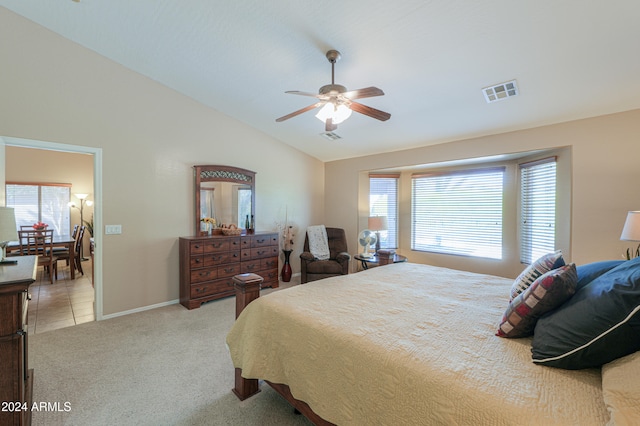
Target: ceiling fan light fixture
{"points": [[337, 113]]}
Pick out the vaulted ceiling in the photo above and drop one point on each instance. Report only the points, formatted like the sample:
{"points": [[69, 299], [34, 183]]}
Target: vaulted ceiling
{"points": [[570, 59]]}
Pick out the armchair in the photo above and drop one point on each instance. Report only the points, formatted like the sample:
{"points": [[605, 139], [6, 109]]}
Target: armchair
{"points": [[313, 269]]}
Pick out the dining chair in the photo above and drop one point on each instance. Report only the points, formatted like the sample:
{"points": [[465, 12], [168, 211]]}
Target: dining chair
{"points": [[74, 259], [63, 252], [40, 244]]}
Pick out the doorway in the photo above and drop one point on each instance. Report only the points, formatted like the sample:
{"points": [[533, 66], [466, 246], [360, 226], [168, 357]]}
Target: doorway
{"points": [[94, 268]]}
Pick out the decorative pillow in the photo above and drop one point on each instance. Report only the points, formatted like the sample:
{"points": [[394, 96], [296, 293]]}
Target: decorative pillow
{"points": [[621, 389], [546, 293], [591, 271], [546, 263], [600, 323]]}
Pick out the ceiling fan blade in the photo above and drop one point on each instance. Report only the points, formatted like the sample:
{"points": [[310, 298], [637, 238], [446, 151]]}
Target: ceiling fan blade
{"points": [[329, 126], [297, 92], [300, 111], [367, 92], [371, 112]]}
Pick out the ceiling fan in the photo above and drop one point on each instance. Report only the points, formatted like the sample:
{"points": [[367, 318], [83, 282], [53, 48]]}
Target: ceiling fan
{"points": [[337, 103]]}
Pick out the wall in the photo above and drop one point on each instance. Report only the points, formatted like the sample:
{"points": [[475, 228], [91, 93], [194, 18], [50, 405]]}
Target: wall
{"points": [[56, 91], [604, 172]]}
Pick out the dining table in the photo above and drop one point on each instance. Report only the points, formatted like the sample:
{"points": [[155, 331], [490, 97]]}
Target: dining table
{"points": [[59, 240]]}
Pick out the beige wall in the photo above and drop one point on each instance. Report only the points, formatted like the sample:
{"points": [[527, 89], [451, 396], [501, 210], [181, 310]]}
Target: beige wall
{"points": [[604, 175], [56, 91]]}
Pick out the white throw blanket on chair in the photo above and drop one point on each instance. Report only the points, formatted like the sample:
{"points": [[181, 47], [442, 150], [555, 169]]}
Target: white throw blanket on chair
{"points": [[318, 242]]}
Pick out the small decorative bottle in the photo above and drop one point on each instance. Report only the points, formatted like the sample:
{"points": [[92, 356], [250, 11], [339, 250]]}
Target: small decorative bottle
{"points": [[246, 223], [253, 225]]}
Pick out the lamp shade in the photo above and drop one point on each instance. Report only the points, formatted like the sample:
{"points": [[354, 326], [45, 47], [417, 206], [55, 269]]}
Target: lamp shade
{"points": [[8, 228], [631, 230], [377, 223], [337, 113]]}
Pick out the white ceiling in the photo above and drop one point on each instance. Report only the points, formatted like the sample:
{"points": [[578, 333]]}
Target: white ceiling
{"points": [[572, 59]]}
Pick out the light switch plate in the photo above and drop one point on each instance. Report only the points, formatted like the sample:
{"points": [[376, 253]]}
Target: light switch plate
{"points": [[112, 229]]}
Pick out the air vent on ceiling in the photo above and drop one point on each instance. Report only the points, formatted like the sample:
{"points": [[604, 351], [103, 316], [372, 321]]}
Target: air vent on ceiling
{"points": [[331, 136], [500, 91]]}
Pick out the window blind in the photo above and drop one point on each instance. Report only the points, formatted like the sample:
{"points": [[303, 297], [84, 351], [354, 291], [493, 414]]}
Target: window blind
{"points": [[458, 213], [41, 203], [383, 201], [537, 209]]}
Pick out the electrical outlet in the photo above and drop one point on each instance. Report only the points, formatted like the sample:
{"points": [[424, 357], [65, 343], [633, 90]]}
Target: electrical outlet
{"points": [[112, 229]]}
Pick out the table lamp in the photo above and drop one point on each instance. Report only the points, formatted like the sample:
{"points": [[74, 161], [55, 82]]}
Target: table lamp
{"points": [[377, 224], [8, 231], [631, 231]]}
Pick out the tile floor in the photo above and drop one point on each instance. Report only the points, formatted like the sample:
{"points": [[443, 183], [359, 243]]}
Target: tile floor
{"points": [[64, 303]]}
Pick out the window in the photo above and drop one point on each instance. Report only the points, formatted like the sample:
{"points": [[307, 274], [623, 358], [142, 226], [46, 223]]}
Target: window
{"points": [[48, 203], [458, 213], [383, 201], [537, 209]]}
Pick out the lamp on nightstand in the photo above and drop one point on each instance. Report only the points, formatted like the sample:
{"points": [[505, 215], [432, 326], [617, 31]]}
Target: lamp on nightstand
{"points": [[631, 231], [377, 224], [8, 231]]}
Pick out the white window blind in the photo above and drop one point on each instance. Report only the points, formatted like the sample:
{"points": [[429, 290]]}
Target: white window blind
{"points": [[458, 213], [383, 201], [537, 209], [41, 203]]}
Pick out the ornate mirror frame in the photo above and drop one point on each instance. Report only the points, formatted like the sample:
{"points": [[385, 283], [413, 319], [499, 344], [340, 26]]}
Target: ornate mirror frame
{"points": [[217, 173]]}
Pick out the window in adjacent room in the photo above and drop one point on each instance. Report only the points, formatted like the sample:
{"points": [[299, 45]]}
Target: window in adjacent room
{"points": [[41, 202], [537, 209], [458, 212], [383, 201]]}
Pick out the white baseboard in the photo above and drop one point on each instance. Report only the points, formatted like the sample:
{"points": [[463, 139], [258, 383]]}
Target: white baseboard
{"points": [[142, 309]]}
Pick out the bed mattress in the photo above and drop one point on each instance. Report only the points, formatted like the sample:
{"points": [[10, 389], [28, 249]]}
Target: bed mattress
{"points": [[408, 344]]}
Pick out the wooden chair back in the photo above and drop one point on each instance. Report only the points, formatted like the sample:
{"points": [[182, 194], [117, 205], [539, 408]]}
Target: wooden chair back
{"points": [[39, 243]]}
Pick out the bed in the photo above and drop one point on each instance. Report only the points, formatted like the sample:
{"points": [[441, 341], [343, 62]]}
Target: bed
{"points": [[415, 344]]}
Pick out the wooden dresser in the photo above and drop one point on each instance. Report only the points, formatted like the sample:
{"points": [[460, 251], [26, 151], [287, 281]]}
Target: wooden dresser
{"points": [[208, 264], [16, 379]]}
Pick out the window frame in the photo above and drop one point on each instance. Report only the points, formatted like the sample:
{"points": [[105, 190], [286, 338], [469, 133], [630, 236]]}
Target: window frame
{"points": [[528, 254], [389, 238]]}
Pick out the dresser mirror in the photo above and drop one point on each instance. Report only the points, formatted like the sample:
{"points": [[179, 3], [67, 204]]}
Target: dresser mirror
{"points": [[224, 193]]}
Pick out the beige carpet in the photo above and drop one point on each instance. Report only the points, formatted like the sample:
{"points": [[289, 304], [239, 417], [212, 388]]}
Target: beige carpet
{"points": [[167, 366]]}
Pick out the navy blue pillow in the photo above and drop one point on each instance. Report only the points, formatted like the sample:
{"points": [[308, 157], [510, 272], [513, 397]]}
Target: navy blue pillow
{"points": [[591, 271], [600, 323]]}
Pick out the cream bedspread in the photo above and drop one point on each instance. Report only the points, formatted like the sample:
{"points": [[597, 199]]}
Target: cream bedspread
{"points": [[408, 344]]}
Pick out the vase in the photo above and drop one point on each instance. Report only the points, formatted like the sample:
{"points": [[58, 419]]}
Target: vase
{"points": [[286, 268]]}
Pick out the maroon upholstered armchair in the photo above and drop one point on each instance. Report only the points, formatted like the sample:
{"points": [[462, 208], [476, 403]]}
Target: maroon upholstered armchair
{"points": [[313, 269]]}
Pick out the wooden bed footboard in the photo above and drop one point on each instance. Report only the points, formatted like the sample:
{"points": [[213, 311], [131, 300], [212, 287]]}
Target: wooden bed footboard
{"points": [[247, 290]]}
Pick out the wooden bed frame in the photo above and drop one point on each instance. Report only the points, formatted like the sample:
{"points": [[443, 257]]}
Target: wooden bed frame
{"points": [[247, 290]]}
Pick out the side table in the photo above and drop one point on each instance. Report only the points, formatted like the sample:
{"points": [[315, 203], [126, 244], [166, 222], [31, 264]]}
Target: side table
{"points": [[374, 260]]}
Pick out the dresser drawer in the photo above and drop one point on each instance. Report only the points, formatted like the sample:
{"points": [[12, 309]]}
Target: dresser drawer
{"points": [[268, 263], [245, 242], [260, 252], [214, 259], [249, 266], [221, 244], [213, 287], [228, 270], [196, 247], [202, 275], [264, 240]]}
